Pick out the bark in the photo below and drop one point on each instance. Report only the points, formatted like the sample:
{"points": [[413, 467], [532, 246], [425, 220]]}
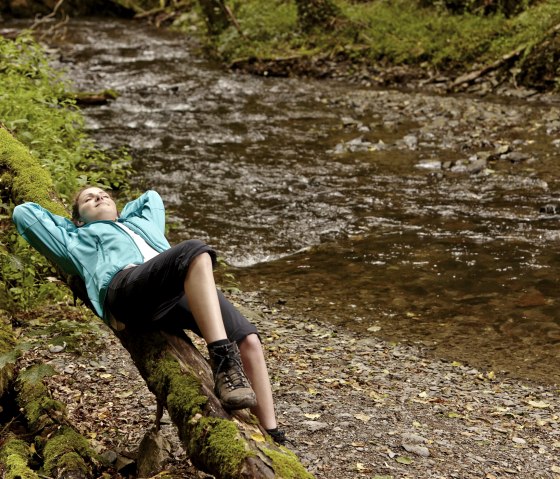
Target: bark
{"points": [[316, 14], [98, 98]]}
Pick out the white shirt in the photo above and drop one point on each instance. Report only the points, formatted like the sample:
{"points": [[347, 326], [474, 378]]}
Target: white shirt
{"points": [[147, 251]]}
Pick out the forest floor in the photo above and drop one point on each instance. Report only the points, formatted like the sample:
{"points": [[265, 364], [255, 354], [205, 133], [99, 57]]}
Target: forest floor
{"points": [[353, 407]]}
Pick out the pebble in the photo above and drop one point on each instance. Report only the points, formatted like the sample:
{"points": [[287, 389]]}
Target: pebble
{"points": [[315, 425]]}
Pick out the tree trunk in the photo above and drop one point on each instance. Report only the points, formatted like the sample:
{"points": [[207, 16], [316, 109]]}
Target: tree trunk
{"points": [[218, 443], [216, 15], [316, 14]]}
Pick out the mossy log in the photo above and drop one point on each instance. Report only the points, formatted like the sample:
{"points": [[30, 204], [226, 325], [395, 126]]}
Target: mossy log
{"points": [[224, 445], [66, 453], [15, 455], [173, 368], [8, 353]]}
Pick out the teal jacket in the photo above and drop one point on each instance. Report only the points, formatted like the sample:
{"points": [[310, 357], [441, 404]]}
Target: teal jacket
{"points": [[97, 250]]}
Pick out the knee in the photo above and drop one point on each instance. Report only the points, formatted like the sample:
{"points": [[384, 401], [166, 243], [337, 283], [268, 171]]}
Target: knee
{"points": [[250, 345], [203, 259]]}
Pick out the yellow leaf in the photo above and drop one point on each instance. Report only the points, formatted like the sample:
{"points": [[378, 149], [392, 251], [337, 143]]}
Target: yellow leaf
{"points": [[360, 466], [423, 394], [362, 417], [491, 375], [258, 437], [538, 404], [456, 363], [312, 416]]}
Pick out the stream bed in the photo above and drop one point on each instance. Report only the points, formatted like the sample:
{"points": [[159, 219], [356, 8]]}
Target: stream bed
{"points": [[405, 215]]}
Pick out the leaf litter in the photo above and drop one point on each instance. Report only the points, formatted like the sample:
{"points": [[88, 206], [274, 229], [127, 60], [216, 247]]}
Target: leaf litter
{"points": [[354, 407]]}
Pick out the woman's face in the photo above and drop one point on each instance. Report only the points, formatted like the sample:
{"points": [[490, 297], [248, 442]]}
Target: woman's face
{"points": [[94, 204]]}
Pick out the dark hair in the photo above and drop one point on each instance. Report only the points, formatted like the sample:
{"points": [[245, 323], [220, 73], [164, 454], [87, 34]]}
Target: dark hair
{"points": [[76, 206]]}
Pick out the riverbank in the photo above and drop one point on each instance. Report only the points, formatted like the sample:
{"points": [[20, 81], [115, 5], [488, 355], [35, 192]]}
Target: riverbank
{"points": [[353, 407]]}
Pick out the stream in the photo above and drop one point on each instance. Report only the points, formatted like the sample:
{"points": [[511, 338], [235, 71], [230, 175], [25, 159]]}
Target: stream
{"points": [[405, 215]]}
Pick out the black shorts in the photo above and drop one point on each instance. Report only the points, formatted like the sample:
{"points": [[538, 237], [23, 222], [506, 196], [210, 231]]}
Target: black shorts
{"points": [[152, 294]]}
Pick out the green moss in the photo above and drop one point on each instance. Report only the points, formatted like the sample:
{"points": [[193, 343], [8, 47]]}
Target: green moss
{"points": [[7, 340], [182, 391], [223, 448], [28, 180], [33, 396], [67, 451], [14, 456], [286, 465]]}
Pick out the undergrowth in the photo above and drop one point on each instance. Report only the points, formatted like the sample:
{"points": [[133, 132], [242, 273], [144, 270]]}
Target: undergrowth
{"points": [[35, 105], [397, 32]]}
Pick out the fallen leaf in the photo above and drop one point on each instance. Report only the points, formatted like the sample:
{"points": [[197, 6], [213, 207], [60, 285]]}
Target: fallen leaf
{"points": [[555, 469], [362, 417], [404, 460], [423, 394], [538, 404], [258, 437], [312, 416]]}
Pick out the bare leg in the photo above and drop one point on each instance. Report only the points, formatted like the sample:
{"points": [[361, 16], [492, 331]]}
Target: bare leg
{"points": [[255, 367], [200, 288], [230, 382]]}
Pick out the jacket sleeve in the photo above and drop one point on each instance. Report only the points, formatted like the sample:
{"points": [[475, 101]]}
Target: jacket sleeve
{"points": [[149, 206], [47, 233]]}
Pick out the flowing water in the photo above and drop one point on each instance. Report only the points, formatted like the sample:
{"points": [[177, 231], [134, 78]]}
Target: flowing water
{"points": [[362, 207]]}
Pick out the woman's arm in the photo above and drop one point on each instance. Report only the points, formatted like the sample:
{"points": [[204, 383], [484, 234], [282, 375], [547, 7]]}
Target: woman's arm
{"points": [[46, 232], [149, 206]]}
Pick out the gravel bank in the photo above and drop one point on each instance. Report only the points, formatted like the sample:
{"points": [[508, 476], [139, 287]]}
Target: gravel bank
{"points": [[354, 408]]}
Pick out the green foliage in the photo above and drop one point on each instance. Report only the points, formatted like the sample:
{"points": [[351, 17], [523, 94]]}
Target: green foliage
{"points": [[36, 107], [428, 33], [267, 31]]}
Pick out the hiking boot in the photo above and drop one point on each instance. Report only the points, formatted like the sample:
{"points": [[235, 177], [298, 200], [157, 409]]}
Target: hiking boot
{"points": [[230, 383], [279, 436]]}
